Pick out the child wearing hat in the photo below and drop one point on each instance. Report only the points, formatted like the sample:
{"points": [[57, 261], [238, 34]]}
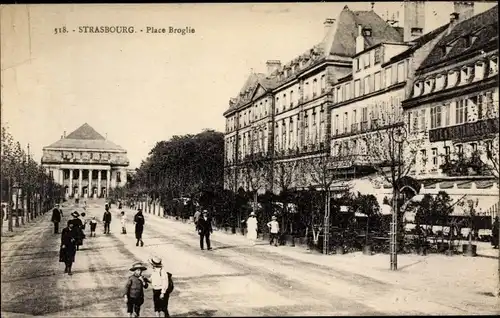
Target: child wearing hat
{"points": [[93, 226], [163, 285], [274, 228], [134, 289]]}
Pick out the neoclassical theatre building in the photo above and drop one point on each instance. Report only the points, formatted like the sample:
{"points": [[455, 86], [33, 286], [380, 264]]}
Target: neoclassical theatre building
{"points": [[86, 164]]}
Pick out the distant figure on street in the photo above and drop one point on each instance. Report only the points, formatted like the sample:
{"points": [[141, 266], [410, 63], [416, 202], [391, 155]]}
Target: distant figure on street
{"points": [[123, 221], [252, 227], [494, 234], [204, 226], [139, 227], [68, 247], [162, 284], [56, 218], [77, 229], [4, 211], [134, 290], [120, 205], [93, 226], [196, 217], [106, 218], [274, 228]]}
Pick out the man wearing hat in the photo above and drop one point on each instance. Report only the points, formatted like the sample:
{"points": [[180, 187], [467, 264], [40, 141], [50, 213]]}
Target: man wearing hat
{"points": [[134, 289], [163, 285], [56, 218], [106, 218], [78, 229], [204, 227], [274, 228]]}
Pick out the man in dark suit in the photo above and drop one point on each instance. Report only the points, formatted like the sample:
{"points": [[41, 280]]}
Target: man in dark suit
{"points": [[56, 218], [204, 226]]}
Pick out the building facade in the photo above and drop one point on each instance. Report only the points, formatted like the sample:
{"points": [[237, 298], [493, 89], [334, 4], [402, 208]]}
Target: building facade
{"points": [[86, 164], [454, 106]]}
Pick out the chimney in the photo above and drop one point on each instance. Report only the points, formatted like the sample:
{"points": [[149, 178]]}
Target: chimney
{"points": [[328, 24], [272, 66], [414, 20], [360, 40], [64, 134], [465, 9]]}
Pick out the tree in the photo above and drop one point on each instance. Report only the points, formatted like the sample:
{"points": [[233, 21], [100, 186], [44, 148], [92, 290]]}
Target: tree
{"points": [[322, 171], [286, 173], [368, 205]]}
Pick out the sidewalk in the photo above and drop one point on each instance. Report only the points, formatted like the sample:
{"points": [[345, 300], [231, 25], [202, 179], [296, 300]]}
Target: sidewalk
{"points": [[460, 280]]}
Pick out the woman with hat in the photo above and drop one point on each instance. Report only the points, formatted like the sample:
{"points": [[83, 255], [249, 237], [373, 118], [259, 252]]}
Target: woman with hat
{"points": [[134, 290], [162, 283], [78, 229], [68, 247], [252, 227]]}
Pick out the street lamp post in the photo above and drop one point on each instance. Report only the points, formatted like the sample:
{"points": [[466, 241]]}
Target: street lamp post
{"points": [[398, 135]]}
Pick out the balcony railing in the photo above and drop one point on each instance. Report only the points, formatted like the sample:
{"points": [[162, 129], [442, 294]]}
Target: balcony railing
{"points": [[364, 126], [464, 131]]}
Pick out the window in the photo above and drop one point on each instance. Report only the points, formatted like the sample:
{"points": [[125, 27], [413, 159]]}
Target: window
{"points": [[465, 74], [489, 107], [401, 72], [377, 79], [440, 81], [460, 149], [357, 88], [435, 157], [414, 125], [461, 111], [118, 177], [388, 77], [51, 174], [367, 85], [347, 91], [435, 117], [346, 121], [323, 83], [290, 131], [478, 71], [339, 94], [422, 119], [357, 67], [306, 91], [423, 156], [428, 86], [493, 70], [277, 104], [378, 56], [452, 79], [291, 98], [364, 118], [446, 112], [314, 87], [447, 152], [285, 102], [336, 124], [394, 71], [366, 61], [473, 147]]}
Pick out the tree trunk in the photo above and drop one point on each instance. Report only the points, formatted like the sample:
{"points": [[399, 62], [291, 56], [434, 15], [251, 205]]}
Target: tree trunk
{"points": [[9, 208], [28, 205], [17, 207]]}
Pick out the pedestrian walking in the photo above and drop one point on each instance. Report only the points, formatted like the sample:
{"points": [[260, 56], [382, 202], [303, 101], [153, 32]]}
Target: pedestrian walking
{"points": [[204, 226], [106, 218], [196, 217], [139, 227], [77, 229], [56, 218], [123, 222], [274, 228], [134, 289], [68, 247], [252, 227], [93, 226], [162, 285]]}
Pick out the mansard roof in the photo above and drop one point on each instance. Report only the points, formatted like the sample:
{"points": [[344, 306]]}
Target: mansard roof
{"points": [[86, 137], [484, 27]]}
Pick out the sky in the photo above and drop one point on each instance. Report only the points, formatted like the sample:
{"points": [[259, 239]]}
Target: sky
{"points": [[138, 89]]}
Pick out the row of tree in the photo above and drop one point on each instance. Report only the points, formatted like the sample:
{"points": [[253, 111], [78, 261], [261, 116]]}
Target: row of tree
{"points": [[27, 190]]}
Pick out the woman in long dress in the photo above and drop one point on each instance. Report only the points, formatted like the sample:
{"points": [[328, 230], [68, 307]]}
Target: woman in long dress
{"points": [[68, 247], [252, 227]]}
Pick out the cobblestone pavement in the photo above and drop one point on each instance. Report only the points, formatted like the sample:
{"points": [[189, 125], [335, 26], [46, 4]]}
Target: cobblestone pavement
{"points": [[234, 279]]}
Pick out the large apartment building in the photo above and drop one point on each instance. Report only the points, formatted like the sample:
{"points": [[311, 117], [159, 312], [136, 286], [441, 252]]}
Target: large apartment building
{"points": [[454, 106], [326, 102]]}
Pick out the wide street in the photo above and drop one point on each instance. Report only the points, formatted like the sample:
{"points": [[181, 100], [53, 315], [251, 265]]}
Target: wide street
{"points": [[234, 279]]}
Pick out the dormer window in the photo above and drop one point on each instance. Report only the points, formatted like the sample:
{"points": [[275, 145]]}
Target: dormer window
{"points": [[452, 79], [446, 49], [493, 70], [465, 75], [367, 32], [440, 81], [479, 71], [429, 86], [417, 89], [469, 40], [417, 31]]}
